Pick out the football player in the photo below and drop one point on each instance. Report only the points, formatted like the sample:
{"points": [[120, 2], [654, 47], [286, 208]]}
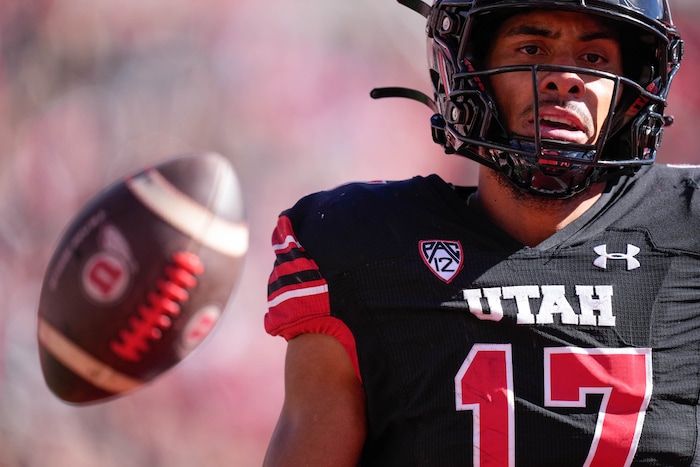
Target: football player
{"points": [[549, 316]]}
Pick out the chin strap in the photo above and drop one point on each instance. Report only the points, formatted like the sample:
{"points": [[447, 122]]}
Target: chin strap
{"points": [[379, 93], [437, 122], [417, 6]]}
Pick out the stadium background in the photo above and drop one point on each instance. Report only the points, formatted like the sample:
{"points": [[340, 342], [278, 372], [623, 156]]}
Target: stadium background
{"points": [[91, 90]]}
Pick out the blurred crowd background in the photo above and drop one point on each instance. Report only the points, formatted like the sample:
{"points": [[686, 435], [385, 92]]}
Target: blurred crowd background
{"points": [[91, 90]]}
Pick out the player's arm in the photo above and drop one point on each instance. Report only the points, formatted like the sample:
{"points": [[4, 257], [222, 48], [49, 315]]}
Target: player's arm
{"points": [[323, 421]]}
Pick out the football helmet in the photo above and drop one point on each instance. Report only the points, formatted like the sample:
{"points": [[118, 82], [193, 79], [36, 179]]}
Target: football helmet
{"points": [[467, 120]]}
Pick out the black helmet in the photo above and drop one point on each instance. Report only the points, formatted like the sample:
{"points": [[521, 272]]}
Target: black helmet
{"points": [[466, 119]]}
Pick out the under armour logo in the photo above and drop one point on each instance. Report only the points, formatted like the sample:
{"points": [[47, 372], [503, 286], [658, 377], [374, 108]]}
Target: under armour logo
{"points": [[602, 260]]}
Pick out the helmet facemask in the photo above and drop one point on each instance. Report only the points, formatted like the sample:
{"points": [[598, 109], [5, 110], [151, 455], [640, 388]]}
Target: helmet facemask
{"points": [[545, 166]]}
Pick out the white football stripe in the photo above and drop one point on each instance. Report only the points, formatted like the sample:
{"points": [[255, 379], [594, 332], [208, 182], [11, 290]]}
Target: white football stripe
{"points": [[186, 215], [82, 363]]}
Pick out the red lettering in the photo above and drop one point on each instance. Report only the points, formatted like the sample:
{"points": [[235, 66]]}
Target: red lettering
{"points": [[104, 275]]}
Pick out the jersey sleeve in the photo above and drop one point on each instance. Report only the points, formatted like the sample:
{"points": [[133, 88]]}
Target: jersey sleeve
{"points": [[298, 294]]}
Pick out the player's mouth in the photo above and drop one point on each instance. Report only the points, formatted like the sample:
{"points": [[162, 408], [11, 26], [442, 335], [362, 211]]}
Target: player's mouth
{"points": [[563, 126]]}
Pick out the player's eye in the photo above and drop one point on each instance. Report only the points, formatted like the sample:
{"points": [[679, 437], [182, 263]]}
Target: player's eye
{"points": [[530, 49], [594, 58]]}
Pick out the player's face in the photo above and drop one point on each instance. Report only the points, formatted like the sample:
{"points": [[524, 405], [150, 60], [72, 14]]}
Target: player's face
{"points": [[572, 106]]}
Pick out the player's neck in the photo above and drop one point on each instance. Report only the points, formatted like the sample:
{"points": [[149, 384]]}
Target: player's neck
{"points": [[528, 218]]}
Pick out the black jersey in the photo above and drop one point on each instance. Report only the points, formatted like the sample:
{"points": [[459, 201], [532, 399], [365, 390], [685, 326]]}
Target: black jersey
{"points": [[475, 350]]}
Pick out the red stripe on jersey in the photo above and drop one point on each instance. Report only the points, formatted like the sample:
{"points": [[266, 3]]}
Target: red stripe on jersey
{"points": [[283, 238], [298, 304]]}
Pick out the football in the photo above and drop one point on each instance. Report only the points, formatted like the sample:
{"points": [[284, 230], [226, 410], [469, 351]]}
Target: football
{"points": [[140, 277]]}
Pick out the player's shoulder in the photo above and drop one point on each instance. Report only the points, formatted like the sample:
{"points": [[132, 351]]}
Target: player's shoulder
{"points": [[673, 187], [676, 173], [367, 198], [359, 222], [663, 200], [660, 183], [378, 190]]}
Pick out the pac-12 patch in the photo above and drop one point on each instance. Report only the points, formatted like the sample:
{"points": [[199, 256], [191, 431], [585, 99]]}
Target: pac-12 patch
{"points": [[443, 257]]}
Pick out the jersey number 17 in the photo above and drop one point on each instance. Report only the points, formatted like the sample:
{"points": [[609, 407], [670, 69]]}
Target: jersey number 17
{"points": [[484, 386]]}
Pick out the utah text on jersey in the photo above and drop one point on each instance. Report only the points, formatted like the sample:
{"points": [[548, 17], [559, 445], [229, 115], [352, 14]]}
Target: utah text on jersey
{"points": [[586, 305]]}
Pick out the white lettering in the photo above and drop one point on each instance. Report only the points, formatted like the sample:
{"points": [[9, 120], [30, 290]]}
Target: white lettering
{"points": [[594, 304], [493, 300], [554, 302], [589, 304], [522, 295]]}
